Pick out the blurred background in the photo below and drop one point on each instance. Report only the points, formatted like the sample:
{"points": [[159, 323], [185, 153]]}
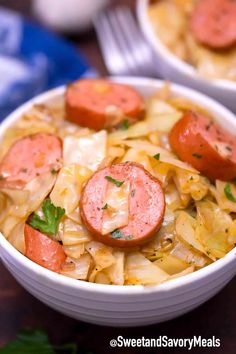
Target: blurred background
{"points": [[45, 46]]}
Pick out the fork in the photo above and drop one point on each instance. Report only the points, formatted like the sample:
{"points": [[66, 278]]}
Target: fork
{"points": [[123, 46]]}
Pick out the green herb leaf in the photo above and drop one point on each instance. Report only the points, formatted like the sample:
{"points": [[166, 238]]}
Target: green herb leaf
{"points": [[117, 234], [114, 181], [52, 217], [228, 193], [198, 156], [29, 342], [53, 171], [125, 124], [35, 342], [157, 156], [105, 207]]}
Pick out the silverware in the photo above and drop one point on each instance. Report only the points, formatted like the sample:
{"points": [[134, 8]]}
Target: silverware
{"points": [[123, 46]]}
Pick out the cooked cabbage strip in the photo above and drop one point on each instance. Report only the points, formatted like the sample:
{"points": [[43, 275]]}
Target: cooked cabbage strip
{"points": [[67, 189], [116, 207], [88, 151], [139, 270]]}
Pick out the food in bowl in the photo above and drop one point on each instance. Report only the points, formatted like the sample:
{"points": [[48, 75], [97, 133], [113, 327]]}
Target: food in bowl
{"points": [[200, 32], [140, 192]]}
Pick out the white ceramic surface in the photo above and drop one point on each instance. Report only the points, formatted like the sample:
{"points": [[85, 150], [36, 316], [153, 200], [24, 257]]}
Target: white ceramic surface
{"points": [[170, 67], [68, 16], [122, 305]]}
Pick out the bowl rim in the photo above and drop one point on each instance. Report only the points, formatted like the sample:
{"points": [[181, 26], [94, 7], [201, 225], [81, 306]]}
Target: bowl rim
{"points": [[61, 280], [171, 59]]}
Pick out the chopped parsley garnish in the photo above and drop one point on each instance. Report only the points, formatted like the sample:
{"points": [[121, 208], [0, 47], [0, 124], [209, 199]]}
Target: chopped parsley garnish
{"points": [[105, 207], [53, 171], [36, 341], [52, 217], [198, 156], [114, 181], [117, 234], [157, 156], [125, 124], [228, 193]]}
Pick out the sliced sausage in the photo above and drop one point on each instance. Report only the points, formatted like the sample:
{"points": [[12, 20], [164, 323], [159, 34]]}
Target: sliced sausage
{"points": [[42, 250], [209, 148], [213, 23], [146, 204], [98, 103], [29, 157]]}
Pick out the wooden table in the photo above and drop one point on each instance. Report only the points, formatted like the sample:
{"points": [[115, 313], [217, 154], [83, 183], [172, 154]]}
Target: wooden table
{"points": [[18, 309]]}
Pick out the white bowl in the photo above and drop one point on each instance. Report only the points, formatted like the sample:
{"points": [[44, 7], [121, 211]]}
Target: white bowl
{"points": [[122, 305], [170, 67]]}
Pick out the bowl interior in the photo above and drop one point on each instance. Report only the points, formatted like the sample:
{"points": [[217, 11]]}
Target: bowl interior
{"points": [[146, 88]]}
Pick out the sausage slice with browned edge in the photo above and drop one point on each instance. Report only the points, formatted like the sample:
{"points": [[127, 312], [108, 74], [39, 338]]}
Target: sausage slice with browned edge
{"points": [[213, 23], [204, 144], [146, 204], [29, 157], [99, 104], [42, 250]]}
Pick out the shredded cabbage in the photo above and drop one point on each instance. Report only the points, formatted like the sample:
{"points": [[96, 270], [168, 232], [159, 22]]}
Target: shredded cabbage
{"points": [[67, 189], [87, 151], [139, 270], [116, 207]]}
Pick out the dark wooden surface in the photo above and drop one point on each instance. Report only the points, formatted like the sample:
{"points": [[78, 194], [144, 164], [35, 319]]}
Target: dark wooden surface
{"points": [[18, 309]]}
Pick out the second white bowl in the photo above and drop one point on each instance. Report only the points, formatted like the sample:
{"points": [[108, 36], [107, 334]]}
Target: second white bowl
{"points": [[172, 68]]}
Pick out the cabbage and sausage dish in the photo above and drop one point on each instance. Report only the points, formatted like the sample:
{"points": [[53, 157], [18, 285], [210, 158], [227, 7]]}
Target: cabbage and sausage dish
{"points": [[106, 186], [200, 32]]}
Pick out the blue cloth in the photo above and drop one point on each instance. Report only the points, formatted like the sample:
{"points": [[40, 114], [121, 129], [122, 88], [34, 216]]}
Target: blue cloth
{"points": [[33, 60]]}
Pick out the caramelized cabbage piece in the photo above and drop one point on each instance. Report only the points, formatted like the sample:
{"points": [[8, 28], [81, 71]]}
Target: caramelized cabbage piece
{"points": [[116, 207], [161, 115], [221, 197], [101, 254], [170, 264], [67, 189], [116, 271], [213, 228], [139, 270], [77, 268], [87, 151]]}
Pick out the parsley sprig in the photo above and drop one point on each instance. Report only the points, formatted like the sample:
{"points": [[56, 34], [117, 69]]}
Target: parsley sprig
{"points": [[228, 193], [157, 156], [114, 181], [52, 217], [36, 342], [125, 124], [118, 234]]}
